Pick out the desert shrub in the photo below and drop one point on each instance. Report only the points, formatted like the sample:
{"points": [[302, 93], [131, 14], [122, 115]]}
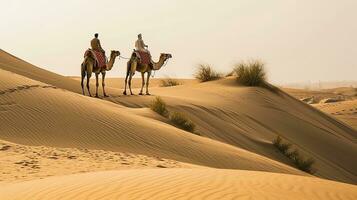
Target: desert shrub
{"points": [[181, 121], [250, 73], [282, 147], [206, 73], [176, 118], [294, 155], [158, 105], [168, 82], [305, 164]]}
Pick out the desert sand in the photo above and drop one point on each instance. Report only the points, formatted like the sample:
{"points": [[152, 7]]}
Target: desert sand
{"points": [[47, 124], [342, 105], [179, 184]]}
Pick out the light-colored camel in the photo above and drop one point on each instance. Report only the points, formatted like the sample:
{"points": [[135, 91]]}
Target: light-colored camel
{"points": [[88, 68], [134, 65]]}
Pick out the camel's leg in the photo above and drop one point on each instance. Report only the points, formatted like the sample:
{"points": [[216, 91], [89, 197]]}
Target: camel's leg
{"points": [[126, 81], [130, 77], [88, 79], [83, 75], [142, 83], [103, 84], [96, 84], [147, 82]]}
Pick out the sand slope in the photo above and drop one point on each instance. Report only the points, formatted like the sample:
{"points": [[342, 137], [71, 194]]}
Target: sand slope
{"points": [[248, 118], [21, 162], [13, 64], [37, 114], [179, 184], [236, 124], [345, 111], [251, 118]]}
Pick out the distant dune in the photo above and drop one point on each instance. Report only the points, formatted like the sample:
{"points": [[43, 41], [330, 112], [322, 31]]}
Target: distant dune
{"points": [[235, 129], [321, 85], [345, 107]]}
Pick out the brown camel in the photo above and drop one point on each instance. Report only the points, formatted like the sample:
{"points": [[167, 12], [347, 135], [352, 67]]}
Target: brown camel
{"points": [[134, 65], [88, 68]]}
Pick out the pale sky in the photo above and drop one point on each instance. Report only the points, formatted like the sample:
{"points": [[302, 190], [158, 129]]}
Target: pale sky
{"points": [[299, 40]]}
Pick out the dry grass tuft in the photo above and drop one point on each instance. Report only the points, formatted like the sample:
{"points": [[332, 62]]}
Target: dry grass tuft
{"points": [[294, 156], [158, 105], [169, 82], [206, 73], [178, 119], [181, 121], [251, 73]]}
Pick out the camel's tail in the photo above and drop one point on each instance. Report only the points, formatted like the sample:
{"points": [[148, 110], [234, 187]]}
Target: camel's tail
{"points": [[83, 69], [128, 65]]}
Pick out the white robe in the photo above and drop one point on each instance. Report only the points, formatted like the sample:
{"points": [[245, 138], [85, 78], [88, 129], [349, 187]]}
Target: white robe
{"points": [[140, 45]]}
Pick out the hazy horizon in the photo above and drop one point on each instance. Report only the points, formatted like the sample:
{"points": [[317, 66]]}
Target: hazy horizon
{"points": [[299, 41]]}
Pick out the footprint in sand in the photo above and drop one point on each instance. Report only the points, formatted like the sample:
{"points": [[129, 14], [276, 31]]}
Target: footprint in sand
{"points": [[72, 157], [5, 147], [11, 90]]}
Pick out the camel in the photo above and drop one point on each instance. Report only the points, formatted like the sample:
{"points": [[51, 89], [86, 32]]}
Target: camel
{"points": [[88, 68], [134, 65]]}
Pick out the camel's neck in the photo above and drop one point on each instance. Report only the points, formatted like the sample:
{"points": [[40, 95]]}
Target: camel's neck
{"points": [[158, 65], [110, 63]]}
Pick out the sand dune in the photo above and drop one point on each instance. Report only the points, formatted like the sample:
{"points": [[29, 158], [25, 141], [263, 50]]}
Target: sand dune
{"points": [[179, 184], [344, 93], [250, 118], [345, 111], [13, 64], [235, 129], [48, 116]]}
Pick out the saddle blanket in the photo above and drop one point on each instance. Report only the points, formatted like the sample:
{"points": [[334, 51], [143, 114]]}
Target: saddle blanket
{"points": [[145, 57], [98, 57]]}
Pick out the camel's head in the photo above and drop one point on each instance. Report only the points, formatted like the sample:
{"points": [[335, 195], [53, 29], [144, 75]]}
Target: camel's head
{"points": [[165, 56], [114, 53]]}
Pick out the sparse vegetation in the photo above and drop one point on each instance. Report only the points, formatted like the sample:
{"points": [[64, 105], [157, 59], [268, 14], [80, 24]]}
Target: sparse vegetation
{"points": [[159, 106], [206, 73], [181, 121], [282, 147], [169, 82], [178, 119], [294, 155], [251, 73]]}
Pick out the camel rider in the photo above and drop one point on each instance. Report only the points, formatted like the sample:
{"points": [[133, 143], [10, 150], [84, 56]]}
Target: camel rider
{"points": [[140, 45], [95, 44]]}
